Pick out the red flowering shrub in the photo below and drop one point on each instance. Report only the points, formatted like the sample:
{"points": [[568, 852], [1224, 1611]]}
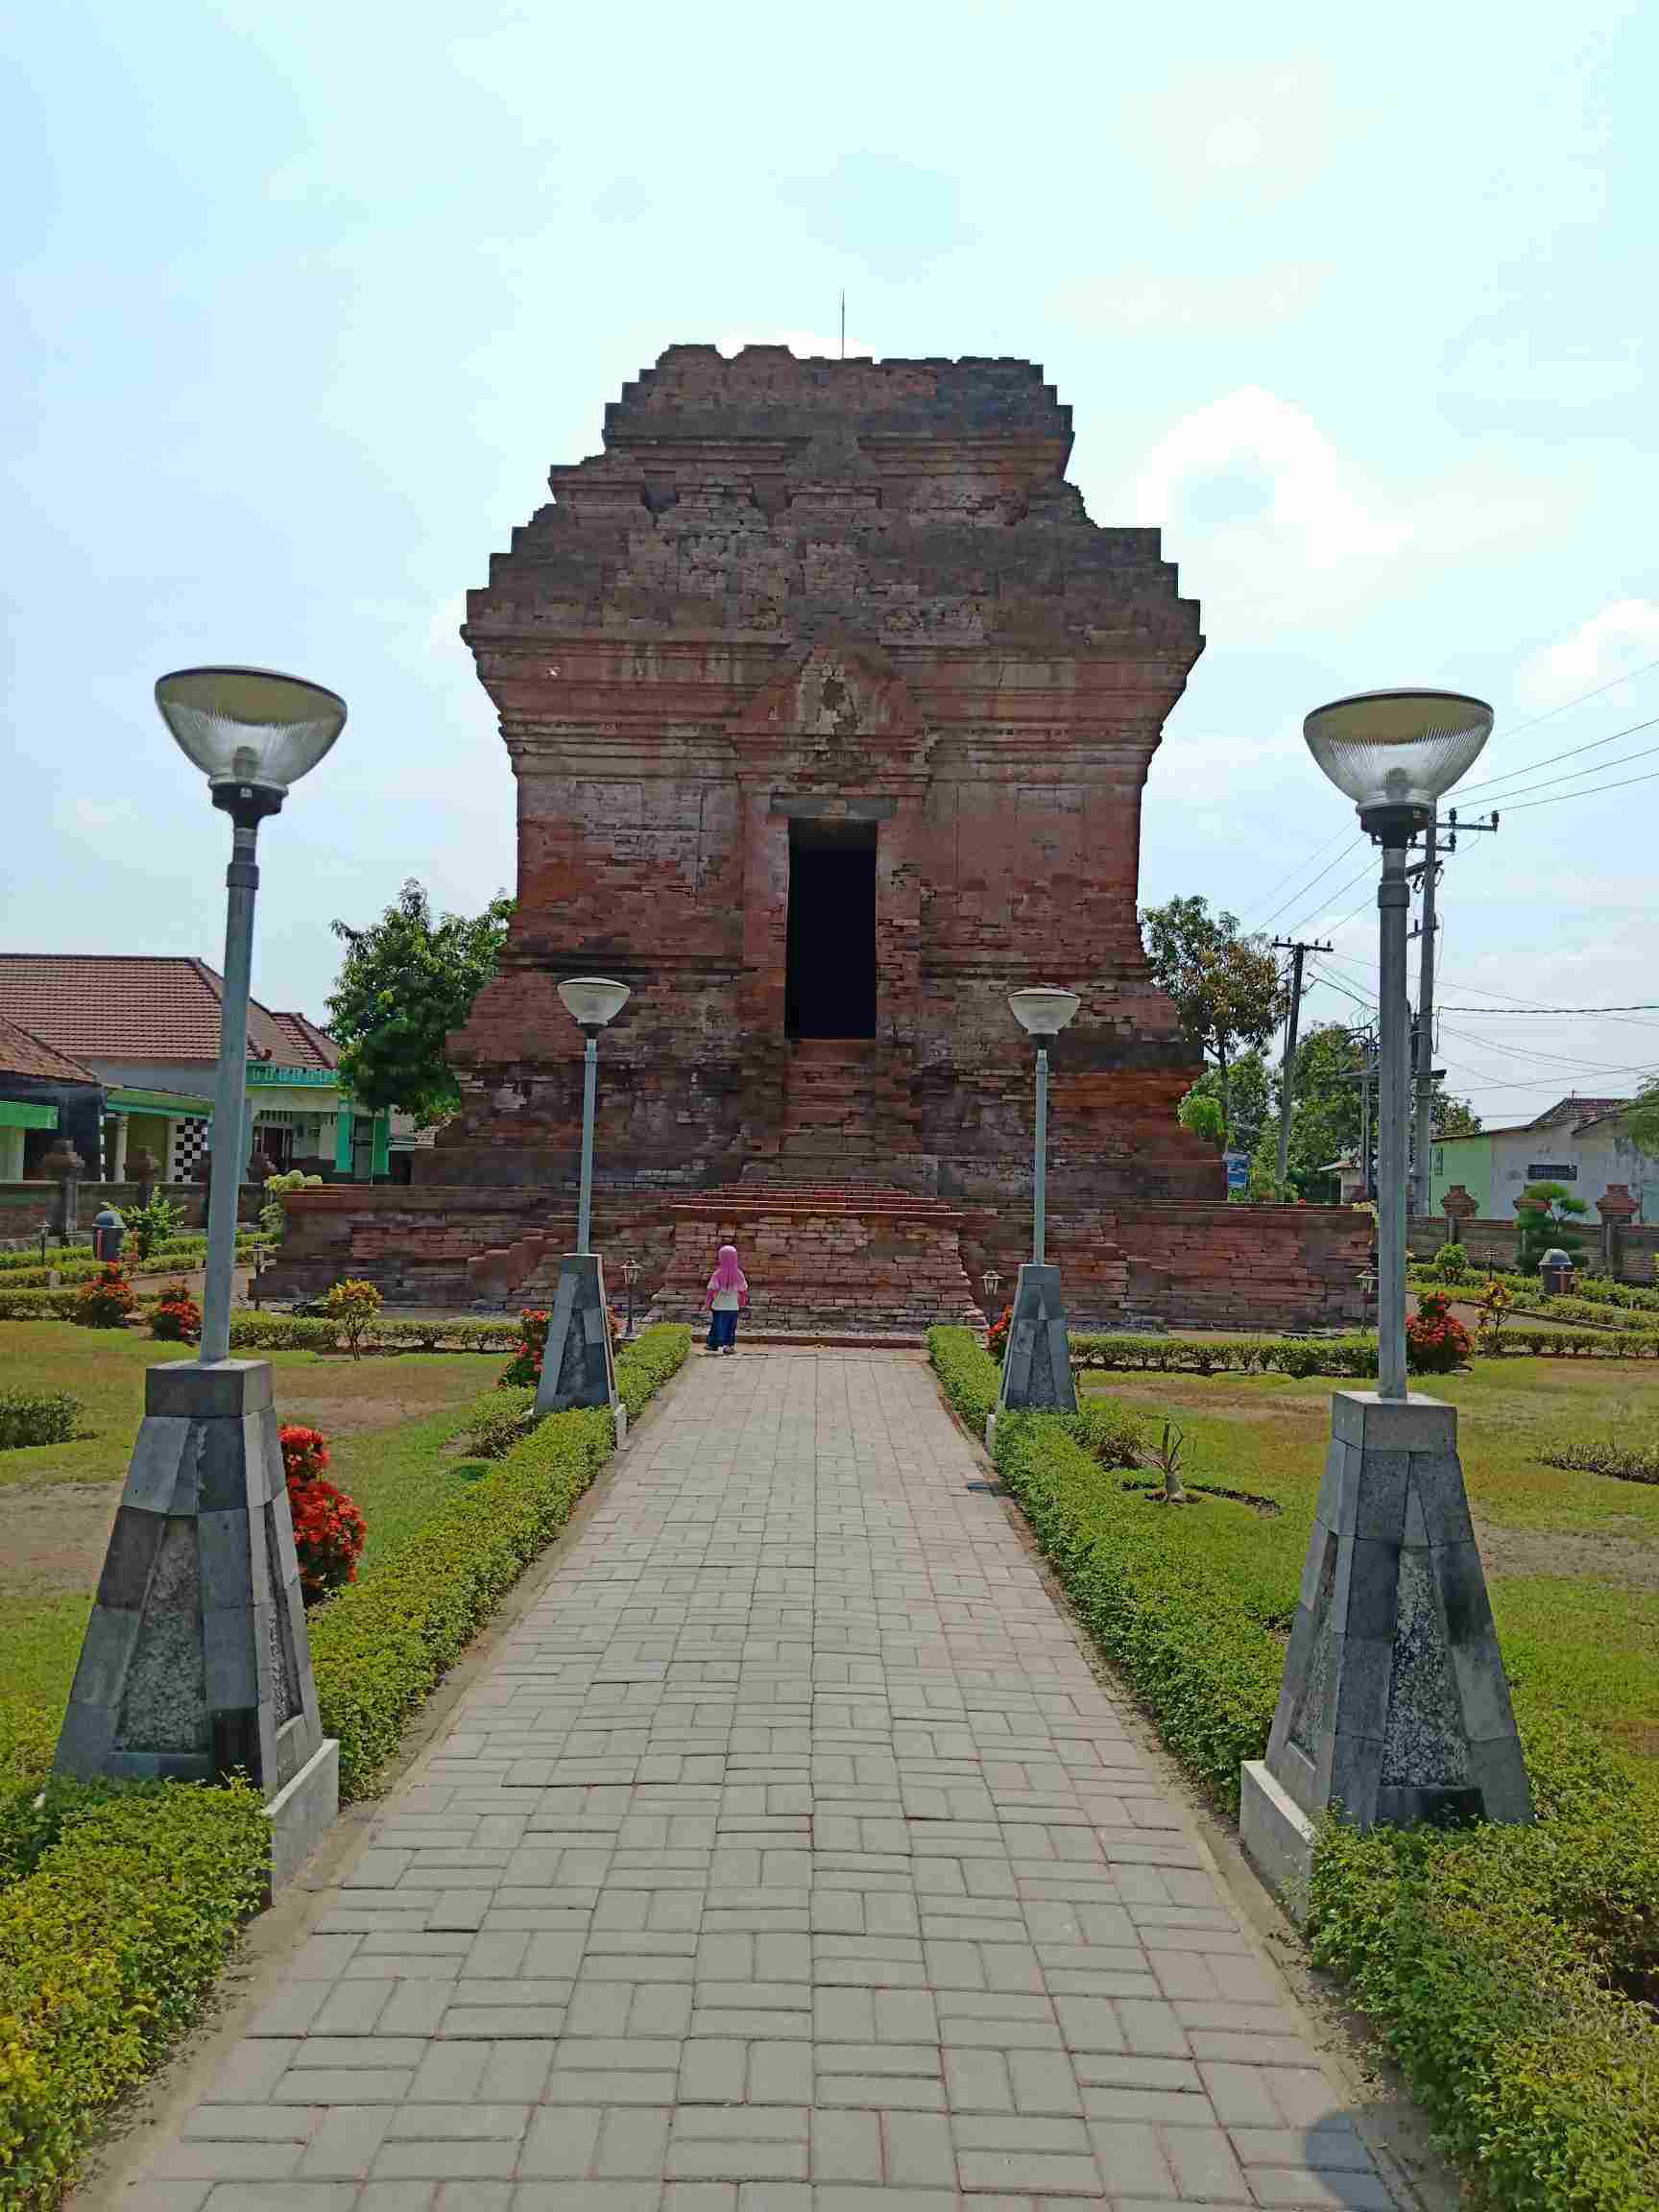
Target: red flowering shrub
{"points": [[305, 1453], [328, 1530], [1434, 1342], [997, 1337], [178, 1318], [525, 1366], [106, 1302]]}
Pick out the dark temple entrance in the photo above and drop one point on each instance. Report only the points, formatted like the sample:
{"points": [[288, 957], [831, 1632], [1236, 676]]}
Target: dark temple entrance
{"points": [[830, 984]]}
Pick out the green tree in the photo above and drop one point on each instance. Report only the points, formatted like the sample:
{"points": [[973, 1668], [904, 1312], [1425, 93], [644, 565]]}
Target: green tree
{"points": [[1226, 987], [408, 981], [1543, 1211], [1643, 1119], [1326, 1113], [1249, 1089]]}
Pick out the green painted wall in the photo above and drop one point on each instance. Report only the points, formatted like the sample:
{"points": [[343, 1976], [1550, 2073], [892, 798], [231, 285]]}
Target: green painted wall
{"points": [[1465, 1160]]}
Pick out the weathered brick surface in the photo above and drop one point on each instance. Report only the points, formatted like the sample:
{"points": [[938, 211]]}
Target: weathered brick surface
{"points": [[840, 592]]}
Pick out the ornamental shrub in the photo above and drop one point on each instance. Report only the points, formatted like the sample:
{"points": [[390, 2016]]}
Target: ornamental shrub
{"points": [[178, 1318], [500, 1423], [37, 1417], [1435, 1342], [352, 1306], [153, 1225], [1450, 1263], [328, 1529], [525, 1364], [107, 1300], [305, 1453], [1628, 1462], [996, 1335]]}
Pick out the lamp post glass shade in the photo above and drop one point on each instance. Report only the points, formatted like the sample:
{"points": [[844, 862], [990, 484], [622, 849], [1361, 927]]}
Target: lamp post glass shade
{"points": [[593, 1001], [1397, 748], [249, 725], [1041, 1010]]}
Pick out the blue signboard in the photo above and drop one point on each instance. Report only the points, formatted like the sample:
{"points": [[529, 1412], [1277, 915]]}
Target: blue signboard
{"points": [[1238, 1172]]}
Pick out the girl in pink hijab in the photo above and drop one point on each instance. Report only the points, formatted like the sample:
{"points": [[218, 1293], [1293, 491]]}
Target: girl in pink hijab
{"points": [[728, 1293]]}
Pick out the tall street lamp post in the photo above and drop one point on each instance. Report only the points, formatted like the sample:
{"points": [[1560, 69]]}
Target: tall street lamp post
{"points": [[1394, 1701], [577, 1364], [195, 1662], [1037, 1363]]}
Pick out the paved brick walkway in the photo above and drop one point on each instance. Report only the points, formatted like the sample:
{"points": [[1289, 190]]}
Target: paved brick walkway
{"points": [[788, 1858]]}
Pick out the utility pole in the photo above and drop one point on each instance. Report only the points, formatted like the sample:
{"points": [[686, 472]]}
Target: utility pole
{"points": [[1428, 871], [1298, 950]]}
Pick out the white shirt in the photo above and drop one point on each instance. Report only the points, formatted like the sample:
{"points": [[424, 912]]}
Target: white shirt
{"points": [[725, 1302]]}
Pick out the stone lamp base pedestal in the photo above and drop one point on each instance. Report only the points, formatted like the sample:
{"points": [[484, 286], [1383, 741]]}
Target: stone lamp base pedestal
{"points": [[1394, 1702], [196, 1664], [577, 1365], [1037, 1364]]}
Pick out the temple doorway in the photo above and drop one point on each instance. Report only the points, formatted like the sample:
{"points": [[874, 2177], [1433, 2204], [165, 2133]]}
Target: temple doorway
{"points": [[830, 981]]}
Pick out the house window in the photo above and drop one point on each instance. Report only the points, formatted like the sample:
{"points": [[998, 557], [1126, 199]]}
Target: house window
{"points": [[1553, 1171]]}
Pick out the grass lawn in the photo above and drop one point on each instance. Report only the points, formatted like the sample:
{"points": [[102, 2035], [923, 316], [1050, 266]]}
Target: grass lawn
{"points": [[1571, 1559], [390, 1422]]}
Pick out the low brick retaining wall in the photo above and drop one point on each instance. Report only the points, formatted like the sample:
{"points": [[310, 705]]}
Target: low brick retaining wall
{"points": [[1188, 1265]]}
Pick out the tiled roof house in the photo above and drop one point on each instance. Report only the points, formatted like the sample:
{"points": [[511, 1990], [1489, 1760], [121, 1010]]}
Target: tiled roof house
{"points": [[147, 1027]]}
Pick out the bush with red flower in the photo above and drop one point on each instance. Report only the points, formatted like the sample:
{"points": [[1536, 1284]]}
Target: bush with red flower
{"points": [[996, 1335], [328, 1530], [1435, 1343], [107, 1300], [525, 1366], [178, 1318]]}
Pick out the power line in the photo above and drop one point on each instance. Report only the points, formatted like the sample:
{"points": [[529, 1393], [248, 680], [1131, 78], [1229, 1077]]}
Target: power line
{"points": [[1637, 1006], [1547, 761], [1572, 752], [1573, 774], [1318, 853], [1590, 791], [1297, 896]]}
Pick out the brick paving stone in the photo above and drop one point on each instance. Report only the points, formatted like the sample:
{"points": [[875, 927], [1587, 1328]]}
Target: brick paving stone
{"points": [[786, 1857]]}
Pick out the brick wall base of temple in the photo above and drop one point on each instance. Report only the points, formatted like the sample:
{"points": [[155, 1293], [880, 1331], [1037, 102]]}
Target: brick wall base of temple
{"points": [[838, 1259]]}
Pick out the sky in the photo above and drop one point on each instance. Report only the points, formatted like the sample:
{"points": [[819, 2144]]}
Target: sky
{"points": [[1359, 308]]}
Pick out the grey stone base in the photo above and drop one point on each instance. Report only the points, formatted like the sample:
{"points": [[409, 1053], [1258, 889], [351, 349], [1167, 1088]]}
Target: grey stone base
{"points": [[576, 1365], [1277, 1836], [196, 1663], [303, 1811], [1037, 1365], [1394, 1703]]}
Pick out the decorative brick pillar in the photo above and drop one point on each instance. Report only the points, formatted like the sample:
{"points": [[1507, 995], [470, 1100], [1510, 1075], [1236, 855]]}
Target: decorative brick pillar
{"points": [[1459, 1208], [1616, 1207]]}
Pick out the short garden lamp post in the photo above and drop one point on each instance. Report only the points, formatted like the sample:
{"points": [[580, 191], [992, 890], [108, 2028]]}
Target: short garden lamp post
{"points": [[196, 1663], [1394, 1701], [991, 1279], [577, 1364], [630, 1276], [1037, 1363]]}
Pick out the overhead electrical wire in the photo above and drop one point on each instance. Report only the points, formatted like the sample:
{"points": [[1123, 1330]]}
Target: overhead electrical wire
{"points": [[1547, 761]]}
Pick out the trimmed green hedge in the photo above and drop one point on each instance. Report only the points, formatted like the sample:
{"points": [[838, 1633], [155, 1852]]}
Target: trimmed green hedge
{"points": [[132, 1900], [380, 1646], [1492, 1959], [970, 1377], [1353, 1354]]}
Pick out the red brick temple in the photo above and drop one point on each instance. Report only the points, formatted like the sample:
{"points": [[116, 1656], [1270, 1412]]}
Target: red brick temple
{"points": [[830, 712]]}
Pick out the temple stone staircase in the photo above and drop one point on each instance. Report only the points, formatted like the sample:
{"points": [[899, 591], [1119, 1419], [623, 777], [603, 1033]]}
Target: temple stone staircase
{"points": [[844, 1108], [842, 1261]]}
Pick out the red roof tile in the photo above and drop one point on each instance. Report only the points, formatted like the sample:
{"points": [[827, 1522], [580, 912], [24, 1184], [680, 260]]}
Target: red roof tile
{"points": [[138, 1006], [21, 1054]]}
